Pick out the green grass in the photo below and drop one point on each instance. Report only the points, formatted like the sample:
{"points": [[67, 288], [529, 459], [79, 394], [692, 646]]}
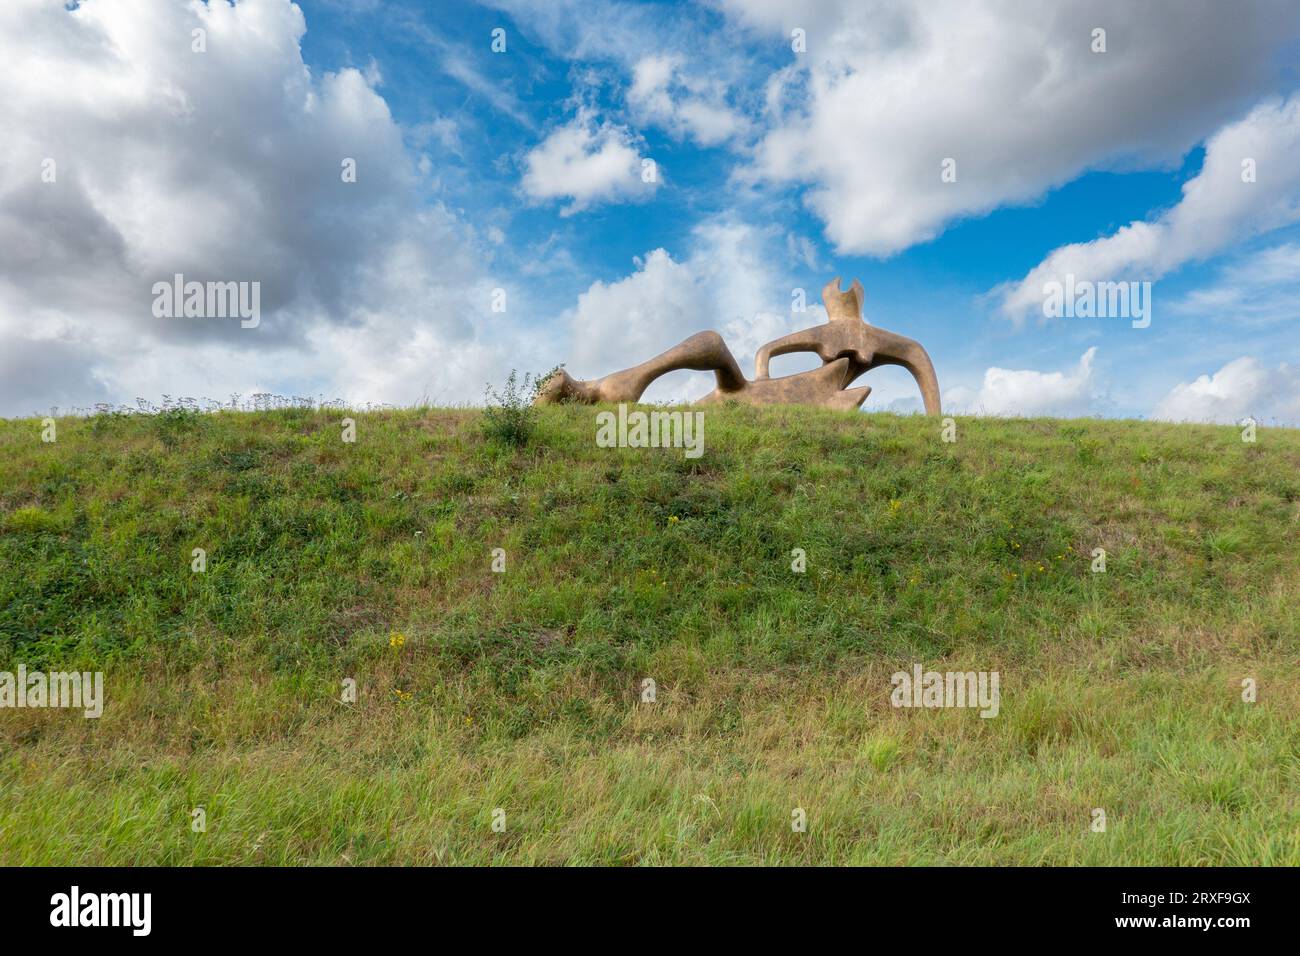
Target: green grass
{"points": [[522, 690]]}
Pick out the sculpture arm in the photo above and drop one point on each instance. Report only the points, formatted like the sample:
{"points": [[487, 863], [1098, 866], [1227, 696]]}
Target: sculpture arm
{"points": [[806, 340]]}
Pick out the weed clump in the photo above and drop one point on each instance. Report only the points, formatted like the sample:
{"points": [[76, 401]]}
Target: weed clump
{"points": [[509, 416]]}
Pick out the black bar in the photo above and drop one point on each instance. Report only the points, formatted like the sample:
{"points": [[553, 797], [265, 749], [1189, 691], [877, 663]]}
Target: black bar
{"points": [[335, 906]]}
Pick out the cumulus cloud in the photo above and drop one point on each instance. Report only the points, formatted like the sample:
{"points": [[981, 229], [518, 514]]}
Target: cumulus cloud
{"points": [[1225, 203], [1012, 92], [222, 165], [589, 163], [1026, 392], [1244, 387], [687, 106]]}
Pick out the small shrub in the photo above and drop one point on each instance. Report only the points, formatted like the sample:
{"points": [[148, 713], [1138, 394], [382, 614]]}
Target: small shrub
{"points": [[510, 417], [174, 421]]}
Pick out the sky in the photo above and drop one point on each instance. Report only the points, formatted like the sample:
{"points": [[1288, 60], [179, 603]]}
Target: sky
{"points": [[431, 194]]}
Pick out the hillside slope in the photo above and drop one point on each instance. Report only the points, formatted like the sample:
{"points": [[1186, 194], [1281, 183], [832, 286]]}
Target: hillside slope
{"points": [[523, 690]]}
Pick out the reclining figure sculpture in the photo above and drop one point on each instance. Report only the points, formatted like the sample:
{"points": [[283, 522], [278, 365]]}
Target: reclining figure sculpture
{"points": [[846, 344]]}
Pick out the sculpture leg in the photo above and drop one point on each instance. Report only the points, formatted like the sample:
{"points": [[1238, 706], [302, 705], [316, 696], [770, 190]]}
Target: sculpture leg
{"points": [[891, 349], [704, 351]]}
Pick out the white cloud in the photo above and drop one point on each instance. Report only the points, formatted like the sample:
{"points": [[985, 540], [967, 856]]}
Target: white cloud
{"points": [[661, 93], [222, 165], [593, 29], [1026, 393], [1011, 91], [802, 249], [1217, 209], [709, 124], [650, 79], [1257, 289], [1244, 387], [588, 163]]}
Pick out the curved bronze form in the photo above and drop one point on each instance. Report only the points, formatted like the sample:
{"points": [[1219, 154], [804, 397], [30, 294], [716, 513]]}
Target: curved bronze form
{"points": [[846, 344]]}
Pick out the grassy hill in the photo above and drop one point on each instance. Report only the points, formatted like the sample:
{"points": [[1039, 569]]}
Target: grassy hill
{"points": [[522, 690]]}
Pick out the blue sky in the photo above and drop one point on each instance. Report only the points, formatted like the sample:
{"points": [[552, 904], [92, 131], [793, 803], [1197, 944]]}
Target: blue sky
{"points": [[776, 169]]}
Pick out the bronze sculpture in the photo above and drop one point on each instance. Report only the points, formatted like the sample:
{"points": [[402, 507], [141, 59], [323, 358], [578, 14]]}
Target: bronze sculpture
{"points": [[846, 344]]}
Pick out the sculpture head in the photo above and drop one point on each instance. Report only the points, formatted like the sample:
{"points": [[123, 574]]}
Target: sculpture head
{"points": [[843, 306], [867, 346]]}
